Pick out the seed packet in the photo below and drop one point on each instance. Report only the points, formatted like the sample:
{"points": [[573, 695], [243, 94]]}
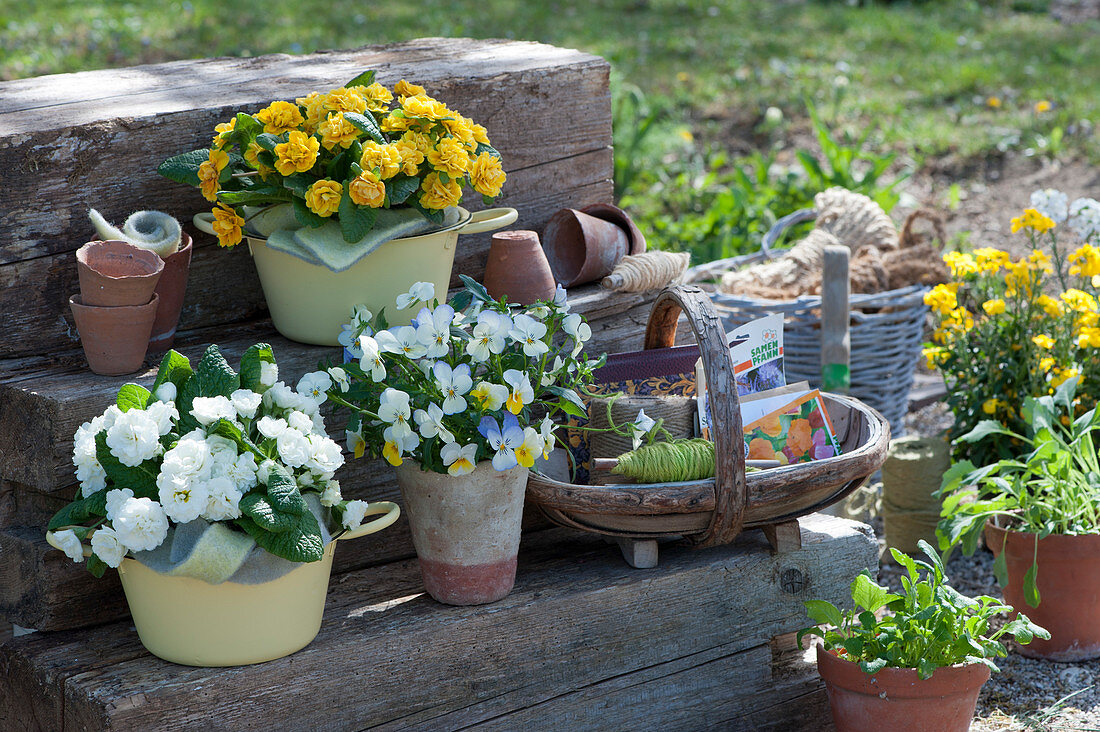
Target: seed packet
{"points": [[799, 431], [757, 352]]}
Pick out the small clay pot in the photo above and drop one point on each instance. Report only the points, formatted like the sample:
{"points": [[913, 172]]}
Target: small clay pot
{"points": [[517, 268], [114, 338], [1068, 581], [583, 248], [170, 290], [116, 273], [897, 699], [617, 216]]}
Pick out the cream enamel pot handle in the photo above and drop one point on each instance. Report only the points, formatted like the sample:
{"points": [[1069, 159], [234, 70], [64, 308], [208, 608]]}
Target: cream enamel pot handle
{"points": [[204, 222], [391, 510], [490, 219]]}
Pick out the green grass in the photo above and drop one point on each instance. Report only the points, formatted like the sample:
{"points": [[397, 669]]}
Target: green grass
{"points": [[923, 71]]}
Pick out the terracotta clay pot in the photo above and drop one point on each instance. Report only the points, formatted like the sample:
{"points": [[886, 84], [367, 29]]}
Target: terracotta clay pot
{"points": [[583, 248], [116, 273], [517, 268], [1069, 590], [465, 530], [114, 338], [170, 290], [897, 699]]}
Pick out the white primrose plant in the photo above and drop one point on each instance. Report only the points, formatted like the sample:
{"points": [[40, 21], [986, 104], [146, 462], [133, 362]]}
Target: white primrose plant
{"points": [[206, 444], [468, 381]]}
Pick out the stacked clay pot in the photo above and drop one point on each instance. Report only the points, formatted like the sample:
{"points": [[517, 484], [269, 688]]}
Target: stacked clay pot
{"points": [[117, 304]]}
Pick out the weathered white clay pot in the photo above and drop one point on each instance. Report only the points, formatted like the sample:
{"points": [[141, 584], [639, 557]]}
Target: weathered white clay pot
{"points": [[465, 530]]}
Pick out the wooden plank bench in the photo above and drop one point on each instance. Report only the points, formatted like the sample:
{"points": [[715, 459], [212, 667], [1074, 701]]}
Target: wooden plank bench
{"points": [[583, 642]]}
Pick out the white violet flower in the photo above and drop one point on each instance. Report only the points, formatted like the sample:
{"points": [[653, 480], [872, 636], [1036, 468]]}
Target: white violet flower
{"points": [[371, 361], [578, 330], [430, 422], [454, 383], [356, 444], [520, 393], [529, 332], [339, 378], [459, 460], [641, 426], [315, 386], [401, 340], [488, 335], [503, 440], [433, 330], [491, 396], [418, 293], [394, 408]]}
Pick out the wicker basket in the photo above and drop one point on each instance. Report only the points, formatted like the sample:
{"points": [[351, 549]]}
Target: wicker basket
{"points": [[886, 328], [714, 511]]}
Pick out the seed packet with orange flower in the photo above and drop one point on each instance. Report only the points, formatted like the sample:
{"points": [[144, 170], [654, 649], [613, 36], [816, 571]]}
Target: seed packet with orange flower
{"points": [[799, 431]]}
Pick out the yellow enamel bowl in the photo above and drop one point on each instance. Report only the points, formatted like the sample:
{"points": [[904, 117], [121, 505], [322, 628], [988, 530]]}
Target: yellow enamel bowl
{"points": [[309, 302], [194, 623]]}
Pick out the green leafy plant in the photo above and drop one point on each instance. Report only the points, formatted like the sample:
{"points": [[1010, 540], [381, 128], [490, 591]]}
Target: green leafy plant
{"points": [[929, 626], [1052, 488]]}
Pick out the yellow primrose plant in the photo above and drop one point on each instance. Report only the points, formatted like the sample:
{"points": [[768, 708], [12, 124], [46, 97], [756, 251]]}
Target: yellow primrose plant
{"points": [[1008, 330], [340, 159]]}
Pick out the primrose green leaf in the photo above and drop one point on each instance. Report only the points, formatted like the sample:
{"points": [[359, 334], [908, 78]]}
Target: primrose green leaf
{"points": [[251, 365], [364, 79], [132, 396], [184, 168], [80, 510], [368, 124], [175, 368], [355, 221]]}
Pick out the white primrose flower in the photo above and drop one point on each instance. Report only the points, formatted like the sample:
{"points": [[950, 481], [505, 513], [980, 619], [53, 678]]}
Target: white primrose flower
{"points": [[315, 386], [433, 330], [1085, 217], [418, 293], [134, 438], [491, 396], [293, 447], [1051, 203], [503, 440], [459, 460], [330, 496], [222, 450], [299, 421], [141, 524], [430, 422], [190, 458], [401, 340], [107, 547], [164, 414], [578, 330], [641, 426], [530, 449], [561, 298], [397, 443], [394, 408], [546, 431], [371, 361], [269, 373], [356, 444], [115, 500], [520, 393], [166, 392], [242, 472], [454, 383], [222, 501], [340, 378], [325, 455], [208, 410], [89, 472], [263, 472], [529, 332], [488, 335], [271, 427], [354, 512], [70, 544], [182, 499], [245, 402], [282, 396]]}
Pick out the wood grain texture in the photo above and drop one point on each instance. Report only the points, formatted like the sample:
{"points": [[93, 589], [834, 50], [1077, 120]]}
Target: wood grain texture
{"points": [[85, 140], [582, 635]]}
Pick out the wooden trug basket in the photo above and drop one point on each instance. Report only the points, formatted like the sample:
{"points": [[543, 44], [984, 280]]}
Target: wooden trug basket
{"points": [[714, 511]]}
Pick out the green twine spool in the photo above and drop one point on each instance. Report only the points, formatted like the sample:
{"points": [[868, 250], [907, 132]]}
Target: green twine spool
{"points": [[668, 462]]}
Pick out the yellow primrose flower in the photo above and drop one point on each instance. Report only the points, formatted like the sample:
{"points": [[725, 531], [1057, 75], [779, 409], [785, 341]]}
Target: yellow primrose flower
{"points": [[297, 154], [337, 131], [314, 104], [1078, 300], [377, 96], [367, 190], [280, 117], [405, 89], [1042, 106], [481, 135], [218, 143], [450, 157], [421, 105], [487, 175], [960, 264], [323, 197], [459, 127], [210, 171], [1043, 341], [437, 194], [345, 100], [396, 123], [1032, 219], [1086, 261], [1046, 363], [411, 156], [228, 226], [990, 260], [385, 159], [1052, 307], [993, 102], [994, 307]]}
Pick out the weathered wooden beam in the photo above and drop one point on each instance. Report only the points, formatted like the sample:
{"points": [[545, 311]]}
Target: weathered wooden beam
{"points": [[568, 640], [94, 139]]}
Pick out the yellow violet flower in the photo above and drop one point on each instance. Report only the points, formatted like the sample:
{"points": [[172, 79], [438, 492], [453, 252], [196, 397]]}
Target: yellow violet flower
{"points": [[1043, 341], [280, 117], [487, 175], [367, 190], [323, 197], [994, 307], [337, 131], [392, 453], [1042, 106], [297, 154], [450, 157], [210, 171], [384, 159], [437, 194], [1086, 261], [228, 226]]}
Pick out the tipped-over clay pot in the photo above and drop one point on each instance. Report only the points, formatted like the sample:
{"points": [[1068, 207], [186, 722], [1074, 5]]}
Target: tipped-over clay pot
{"points": [[114, 338], [115, 273], [171, 289], [583, 248], [517, 268]]}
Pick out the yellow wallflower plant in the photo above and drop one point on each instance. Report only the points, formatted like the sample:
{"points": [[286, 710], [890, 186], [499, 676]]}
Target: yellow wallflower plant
{"points": [[339, 157], [1008, 329]]}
